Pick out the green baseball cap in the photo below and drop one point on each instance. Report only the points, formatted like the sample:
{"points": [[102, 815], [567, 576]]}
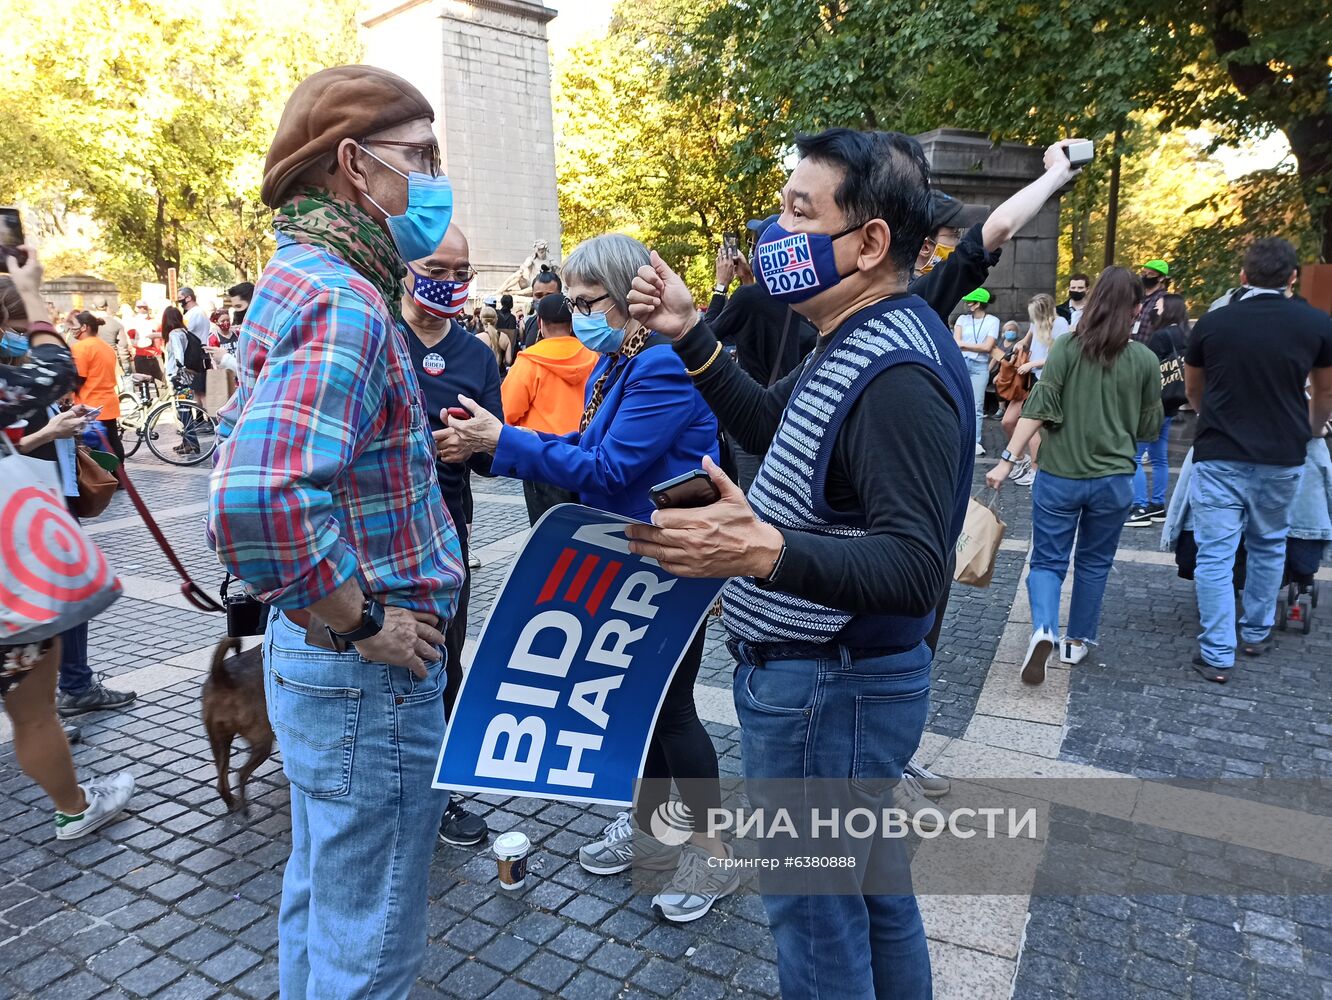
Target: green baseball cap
{"points": [[979, 295], [1159, 266]]}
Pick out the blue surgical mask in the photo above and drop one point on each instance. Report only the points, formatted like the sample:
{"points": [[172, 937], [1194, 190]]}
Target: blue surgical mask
{"points": [[421, 228], [596, 334], [796, 266], [14, 344]]}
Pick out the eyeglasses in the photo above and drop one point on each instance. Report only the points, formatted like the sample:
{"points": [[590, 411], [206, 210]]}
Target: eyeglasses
{"points": [[458, 275], [430, 149], [584, 305]]}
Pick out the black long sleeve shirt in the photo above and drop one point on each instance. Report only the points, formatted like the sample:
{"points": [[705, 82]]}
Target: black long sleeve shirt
{"points": [[895, 461]]}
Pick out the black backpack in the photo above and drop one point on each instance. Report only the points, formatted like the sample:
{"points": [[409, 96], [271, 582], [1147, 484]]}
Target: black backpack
{"points": [[194, 353]]}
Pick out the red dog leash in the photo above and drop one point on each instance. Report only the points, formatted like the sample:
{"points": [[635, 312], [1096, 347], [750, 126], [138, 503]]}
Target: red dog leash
{"points": [[192, 591]]}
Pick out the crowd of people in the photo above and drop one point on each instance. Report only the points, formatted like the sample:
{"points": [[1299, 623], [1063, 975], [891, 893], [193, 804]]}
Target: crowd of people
{"points": [[366, 396]]}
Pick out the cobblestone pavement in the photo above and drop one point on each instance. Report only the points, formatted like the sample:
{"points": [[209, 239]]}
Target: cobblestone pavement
{"points": [[178, 899]]}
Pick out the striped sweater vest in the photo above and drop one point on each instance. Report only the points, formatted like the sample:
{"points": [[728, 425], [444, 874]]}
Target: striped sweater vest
{"points": [[789, 488]]}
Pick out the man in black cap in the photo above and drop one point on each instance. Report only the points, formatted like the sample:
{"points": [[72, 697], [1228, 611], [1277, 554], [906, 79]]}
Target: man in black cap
{"points": [[964, 244], [956, 258]]}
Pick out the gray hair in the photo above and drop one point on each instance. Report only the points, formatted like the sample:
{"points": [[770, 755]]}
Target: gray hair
{"points": [[611, 261]]}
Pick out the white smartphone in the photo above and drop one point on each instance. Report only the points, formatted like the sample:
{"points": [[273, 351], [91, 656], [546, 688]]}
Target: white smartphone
{"points": [[1079, 152]]}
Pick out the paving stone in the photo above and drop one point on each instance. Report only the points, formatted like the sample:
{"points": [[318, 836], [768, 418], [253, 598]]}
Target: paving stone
{"points": [[548, 971], [506, 952]]}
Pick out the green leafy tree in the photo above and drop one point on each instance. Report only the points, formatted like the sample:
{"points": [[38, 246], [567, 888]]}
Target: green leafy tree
{"points": [[154, 119], [1027, 70]]}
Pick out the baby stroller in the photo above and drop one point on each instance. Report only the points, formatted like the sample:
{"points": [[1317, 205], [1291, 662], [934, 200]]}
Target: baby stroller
{"points": [[1299, 589]]}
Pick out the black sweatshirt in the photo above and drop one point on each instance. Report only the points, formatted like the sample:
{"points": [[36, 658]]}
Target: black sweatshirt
{"points": [[895, 460], [962, 271]]}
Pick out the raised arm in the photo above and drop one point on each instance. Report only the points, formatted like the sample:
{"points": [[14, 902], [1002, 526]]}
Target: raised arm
{"points": [[1006, 220]]}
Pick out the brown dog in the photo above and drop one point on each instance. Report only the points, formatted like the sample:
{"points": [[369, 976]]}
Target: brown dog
{"points": [[234, 705]]}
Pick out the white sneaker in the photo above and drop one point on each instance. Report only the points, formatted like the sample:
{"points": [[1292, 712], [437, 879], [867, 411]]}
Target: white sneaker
{"points": [[106, 798], [979, 450], [1072, 652], [1020, 468], [1038, 652], [910, 797], [1027, 478], [935, 786]]}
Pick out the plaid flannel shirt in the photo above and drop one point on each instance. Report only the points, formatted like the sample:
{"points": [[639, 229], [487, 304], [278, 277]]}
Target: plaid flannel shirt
{"points": [[325, 467]]}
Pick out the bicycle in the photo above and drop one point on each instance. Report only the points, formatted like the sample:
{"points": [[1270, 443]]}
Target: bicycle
{"points": [[174, 429]]}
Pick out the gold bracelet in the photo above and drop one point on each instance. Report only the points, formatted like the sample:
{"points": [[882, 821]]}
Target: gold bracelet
{"points": [[706, 365]]}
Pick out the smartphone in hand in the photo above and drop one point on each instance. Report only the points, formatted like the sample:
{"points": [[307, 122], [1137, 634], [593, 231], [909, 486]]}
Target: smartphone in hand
{"points": [[11, 238], [693, 489]]}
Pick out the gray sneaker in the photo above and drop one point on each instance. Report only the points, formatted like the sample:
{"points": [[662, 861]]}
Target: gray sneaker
{"points": [[97, 698], [106, 798], [909, 796], [698, 882], [933, 785], [623, 844]]}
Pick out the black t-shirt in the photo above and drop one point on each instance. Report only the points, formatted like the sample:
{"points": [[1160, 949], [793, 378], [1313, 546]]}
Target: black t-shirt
{"points": [[1257, 354], [459, 363], [962, 271], [505, 320]]}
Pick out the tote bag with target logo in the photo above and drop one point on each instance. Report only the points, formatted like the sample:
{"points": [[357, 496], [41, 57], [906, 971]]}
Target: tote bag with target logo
{"points": [[52, 575]]}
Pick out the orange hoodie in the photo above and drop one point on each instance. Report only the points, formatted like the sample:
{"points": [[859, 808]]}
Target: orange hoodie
{"points": [[544, 389]]}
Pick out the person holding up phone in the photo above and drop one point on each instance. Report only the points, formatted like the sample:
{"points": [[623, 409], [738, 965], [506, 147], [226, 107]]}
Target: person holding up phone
{"points": [[644, 423]]}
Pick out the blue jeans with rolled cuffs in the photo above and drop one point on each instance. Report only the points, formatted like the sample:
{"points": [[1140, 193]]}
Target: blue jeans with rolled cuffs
{"points": [[837, 718], [359, 744]]}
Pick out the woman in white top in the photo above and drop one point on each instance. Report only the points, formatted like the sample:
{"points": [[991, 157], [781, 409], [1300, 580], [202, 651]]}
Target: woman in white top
{"points": [[1046, 326], [976, 332]]}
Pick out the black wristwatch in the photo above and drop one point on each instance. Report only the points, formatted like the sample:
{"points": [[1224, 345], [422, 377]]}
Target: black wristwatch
{"points": [[372, 623], [719, 289]]}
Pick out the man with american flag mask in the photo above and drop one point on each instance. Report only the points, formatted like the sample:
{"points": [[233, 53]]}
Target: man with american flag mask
{"points": [[450, 361]]}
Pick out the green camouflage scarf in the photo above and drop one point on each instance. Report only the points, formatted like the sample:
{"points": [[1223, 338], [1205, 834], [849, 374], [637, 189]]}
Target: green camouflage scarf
{"points": [[317, 217]]}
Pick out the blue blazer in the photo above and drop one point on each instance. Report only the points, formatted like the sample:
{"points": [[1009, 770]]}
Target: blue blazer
{"points": [[652, 425]]}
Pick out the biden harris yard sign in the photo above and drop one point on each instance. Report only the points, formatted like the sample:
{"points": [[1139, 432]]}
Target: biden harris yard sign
{"points": [[572, 666]]}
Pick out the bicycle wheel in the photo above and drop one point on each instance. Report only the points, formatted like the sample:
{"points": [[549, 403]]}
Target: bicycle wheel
{"points": [[173, 433], [131, 423]]}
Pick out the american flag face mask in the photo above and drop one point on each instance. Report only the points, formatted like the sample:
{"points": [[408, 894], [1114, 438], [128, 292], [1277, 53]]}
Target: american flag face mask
{"points": [[444, 299]]}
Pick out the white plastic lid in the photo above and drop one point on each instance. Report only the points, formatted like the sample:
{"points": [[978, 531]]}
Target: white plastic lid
{"points": [[512, 844]]}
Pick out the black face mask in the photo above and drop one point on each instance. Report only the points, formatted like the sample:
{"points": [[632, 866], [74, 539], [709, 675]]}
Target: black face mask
{"points": [[1150, 283], [1077, 296]]}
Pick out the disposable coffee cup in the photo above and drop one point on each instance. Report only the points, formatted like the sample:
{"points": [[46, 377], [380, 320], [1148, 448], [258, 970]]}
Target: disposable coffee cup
{"points": [[16, 431], [511, 850]]}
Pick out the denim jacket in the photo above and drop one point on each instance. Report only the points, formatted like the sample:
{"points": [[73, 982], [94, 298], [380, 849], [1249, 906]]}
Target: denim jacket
{"points": [[1310, 511]]}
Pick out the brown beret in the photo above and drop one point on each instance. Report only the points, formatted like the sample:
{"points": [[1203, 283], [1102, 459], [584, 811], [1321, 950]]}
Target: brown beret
{"points": [[344, 102]]}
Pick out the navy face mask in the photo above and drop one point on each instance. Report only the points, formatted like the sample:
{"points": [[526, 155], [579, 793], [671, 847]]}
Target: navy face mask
{"points": [[797, 266]]}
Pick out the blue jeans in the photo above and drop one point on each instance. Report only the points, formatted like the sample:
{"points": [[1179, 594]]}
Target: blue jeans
{"points": [[980, 378], [840, 718], [1234, 500], [1156, 454], [359, 743], [1094, 511]]}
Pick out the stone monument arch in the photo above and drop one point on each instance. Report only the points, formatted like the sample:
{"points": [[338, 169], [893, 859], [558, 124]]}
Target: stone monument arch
{"points": [[485, 68]]}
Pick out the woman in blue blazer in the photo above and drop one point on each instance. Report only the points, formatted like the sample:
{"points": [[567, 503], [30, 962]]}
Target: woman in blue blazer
{"points": [[644, 423]]}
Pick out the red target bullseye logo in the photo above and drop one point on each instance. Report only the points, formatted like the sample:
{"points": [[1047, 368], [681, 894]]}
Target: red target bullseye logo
{"points": [[49, 560]]}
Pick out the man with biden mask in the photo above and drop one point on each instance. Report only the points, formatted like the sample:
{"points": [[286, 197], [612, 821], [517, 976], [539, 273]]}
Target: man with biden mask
{"points": [[838, 554], [325, 504]]}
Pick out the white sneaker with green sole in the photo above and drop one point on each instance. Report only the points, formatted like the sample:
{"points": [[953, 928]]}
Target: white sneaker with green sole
{"points": [[106, 798]]}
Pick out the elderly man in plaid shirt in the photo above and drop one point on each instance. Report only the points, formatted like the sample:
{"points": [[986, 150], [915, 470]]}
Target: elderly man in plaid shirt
{"points": [[325, 503]]}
